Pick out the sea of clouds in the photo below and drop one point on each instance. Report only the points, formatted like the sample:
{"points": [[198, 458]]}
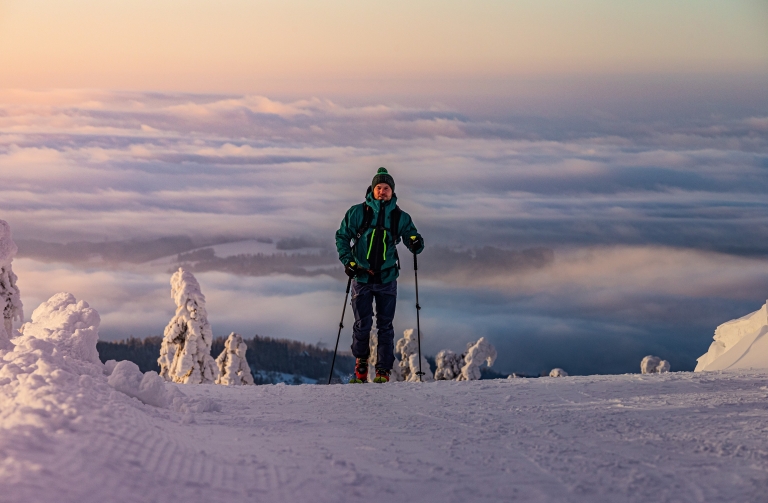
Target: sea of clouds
{"points": [[657, 218]]}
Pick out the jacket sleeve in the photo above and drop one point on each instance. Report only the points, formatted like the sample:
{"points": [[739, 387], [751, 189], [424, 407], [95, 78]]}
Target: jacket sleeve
{"points": [[347, 231], [407, 229]]}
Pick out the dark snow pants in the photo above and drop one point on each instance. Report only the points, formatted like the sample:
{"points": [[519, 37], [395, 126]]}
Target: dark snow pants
{"points": [[363, 295]]}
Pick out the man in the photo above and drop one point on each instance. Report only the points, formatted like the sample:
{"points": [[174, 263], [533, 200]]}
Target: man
{"points": [[375, 227]]}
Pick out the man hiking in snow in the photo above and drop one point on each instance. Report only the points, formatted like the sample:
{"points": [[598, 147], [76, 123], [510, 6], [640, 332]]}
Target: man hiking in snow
{"points": [[375, 227]]}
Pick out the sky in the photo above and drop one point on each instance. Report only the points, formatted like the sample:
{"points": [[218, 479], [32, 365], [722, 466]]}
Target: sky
{"points": [[630, 139], [303, 47]]}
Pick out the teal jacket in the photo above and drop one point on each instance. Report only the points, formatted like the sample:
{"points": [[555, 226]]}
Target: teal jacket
{"points": [[376, 248]]}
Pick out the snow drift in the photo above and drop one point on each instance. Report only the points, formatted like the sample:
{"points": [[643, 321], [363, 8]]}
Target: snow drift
{"points": [[739, 344], [233, 366], [10, 297], [185, 353], [149, 388]]}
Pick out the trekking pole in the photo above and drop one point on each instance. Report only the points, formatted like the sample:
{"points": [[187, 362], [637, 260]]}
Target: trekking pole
{"points": [[418, 308], [341, 325]]}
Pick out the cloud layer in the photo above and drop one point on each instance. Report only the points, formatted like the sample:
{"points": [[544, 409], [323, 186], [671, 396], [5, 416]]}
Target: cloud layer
{"points": [[658, 218]]}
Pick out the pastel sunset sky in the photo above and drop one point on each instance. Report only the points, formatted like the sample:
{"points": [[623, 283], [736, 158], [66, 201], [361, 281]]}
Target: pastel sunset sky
{"points": [[627, 138]]}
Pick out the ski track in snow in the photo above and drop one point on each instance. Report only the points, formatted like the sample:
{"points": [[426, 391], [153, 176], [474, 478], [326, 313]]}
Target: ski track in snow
{"points": [[672, 437]]}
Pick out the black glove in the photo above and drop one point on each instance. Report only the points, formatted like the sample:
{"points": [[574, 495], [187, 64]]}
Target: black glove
{"points": [[351, 270], [416, 243]]}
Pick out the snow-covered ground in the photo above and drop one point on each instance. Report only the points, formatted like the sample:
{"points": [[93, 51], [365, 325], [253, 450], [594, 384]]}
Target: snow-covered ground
{"points": [[670, 437]]}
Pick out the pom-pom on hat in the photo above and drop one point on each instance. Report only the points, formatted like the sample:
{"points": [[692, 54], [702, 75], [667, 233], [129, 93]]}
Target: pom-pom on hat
{"points": [[382, 176]]}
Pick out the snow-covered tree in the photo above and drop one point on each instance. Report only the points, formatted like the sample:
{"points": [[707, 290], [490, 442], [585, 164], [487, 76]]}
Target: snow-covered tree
{"points": [[185, 353], [654, 365], [233, 367], [478, 353], [448, 365], [396, 375], [408, 349], [558, 372], [10, 297]]}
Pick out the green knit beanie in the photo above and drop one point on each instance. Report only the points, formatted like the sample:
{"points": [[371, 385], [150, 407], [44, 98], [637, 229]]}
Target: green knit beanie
{"points": [[382, 176]]}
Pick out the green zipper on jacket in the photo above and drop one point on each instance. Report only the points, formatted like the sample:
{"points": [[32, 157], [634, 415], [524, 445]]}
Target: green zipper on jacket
{"points": [[385, 246], [370, 245]]}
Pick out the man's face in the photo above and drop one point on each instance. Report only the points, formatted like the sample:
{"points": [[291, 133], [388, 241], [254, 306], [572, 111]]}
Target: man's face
{"points": [[382, 192]]}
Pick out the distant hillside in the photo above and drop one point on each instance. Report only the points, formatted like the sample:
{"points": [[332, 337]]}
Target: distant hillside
{"points": [[265, 355]]}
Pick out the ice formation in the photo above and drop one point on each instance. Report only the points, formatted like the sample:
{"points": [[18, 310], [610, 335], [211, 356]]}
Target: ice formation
{"points": [[233, 366], [739, 344], [397, 373], [477, 353], [654, 365], [10, 298], [185, 353], [409, 358], [448, 365], [558, 372]]}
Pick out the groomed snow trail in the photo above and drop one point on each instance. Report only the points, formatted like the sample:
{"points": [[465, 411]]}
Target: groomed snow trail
{"points": [[672, 437]]}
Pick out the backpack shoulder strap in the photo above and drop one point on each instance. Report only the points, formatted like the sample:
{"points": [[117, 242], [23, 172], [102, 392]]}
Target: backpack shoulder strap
{"points": [[394, 222], [367, 219], [394, 229]]}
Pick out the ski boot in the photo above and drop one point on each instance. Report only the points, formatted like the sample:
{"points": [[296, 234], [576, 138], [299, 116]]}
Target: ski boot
{"points": [[382, 376], [361, 371]]}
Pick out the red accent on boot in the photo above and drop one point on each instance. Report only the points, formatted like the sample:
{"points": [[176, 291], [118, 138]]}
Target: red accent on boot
{"points": [[361, 369], [382, 374]]}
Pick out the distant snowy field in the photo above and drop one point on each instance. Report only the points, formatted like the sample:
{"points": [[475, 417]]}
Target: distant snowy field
{"points": [[671, 437]]}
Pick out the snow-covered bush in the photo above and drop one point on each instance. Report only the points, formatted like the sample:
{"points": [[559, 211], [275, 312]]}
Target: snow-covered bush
{"points": [[654, 365], [233, 367], [558, 372], [149, 388], [397, 373], [408, 349], [185, 353], [71, 325], [477, 353], [10, 298], [448, 365]]}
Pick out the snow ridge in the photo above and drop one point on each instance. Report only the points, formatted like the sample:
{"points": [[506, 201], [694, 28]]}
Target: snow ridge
{"points": [[739, 344]]}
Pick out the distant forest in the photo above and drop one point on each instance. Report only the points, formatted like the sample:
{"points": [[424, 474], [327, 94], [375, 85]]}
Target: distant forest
{"points": [[265, 356]]}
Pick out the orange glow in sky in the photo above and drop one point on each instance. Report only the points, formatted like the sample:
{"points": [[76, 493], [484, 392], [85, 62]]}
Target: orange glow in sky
{"points": [[304, 45]]}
